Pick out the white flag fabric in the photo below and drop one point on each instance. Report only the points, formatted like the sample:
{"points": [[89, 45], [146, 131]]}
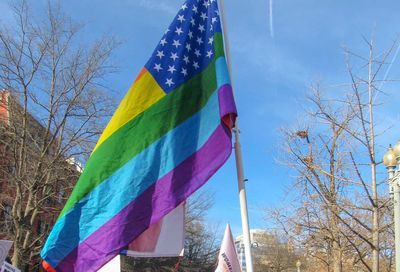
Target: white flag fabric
{"points": [[162, 239], [112, 266], [227, 259]]}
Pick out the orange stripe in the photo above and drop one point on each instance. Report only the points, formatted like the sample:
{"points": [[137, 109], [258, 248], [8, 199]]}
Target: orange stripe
{"points": [[142, 72]]}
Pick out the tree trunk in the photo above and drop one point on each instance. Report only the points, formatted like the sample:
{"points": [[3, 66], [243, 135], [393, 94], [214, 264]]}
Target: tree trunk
{"points": [[375, 223], [337, 258], [336, 250], [375, 208], [16, 258]]}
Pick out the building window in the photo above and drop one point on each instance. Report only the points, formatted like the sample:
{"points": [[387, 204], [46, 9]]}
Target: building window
{"points": [[7, 217]]}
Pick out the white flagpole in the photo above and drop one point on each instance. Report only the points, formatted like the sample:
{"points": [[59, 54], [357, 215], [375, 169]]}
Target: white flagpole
{"points": [[239, 160]]}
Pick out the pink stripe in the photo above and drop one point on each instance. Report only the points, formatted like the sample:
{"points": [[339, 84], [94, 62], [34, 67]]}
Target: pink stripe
{"points": [[157, 201]]}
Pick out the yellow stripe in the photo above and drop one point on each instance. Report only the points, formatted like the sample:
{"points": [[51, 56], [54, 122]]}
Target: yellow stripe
{"points": [[143, 93]]}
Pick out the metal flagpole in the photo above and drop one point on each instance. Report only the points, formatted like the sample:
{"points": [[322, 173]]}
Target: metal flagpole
{"points": [[239, 160]]}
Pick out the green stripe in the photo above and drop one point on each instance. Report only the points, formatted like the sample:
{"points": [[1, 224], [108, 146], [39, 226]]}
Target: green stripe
{"points": [[146, 128], [218, 45]]}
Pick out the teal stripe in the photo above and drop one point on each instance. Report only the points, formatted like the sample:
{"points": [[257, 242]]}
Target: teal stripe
{"points": [[222, 72], [131, 180]]}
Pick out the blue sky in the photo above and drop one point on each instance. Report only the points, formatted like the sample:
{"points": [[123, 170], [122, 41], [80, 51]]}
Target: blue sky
{"points": [[271, 74]]}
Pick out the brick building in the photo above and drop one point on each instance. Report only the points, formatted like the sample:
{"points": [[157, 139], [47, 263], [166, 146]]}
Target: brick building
{"points": [[5, 168], [51, 203]]}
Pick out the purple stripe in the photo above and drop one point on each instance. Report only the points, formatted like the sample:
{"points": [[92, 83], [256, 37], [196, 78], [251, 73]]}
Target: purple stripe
{"points": [[227, 107], [226, 101], [157, 201]]}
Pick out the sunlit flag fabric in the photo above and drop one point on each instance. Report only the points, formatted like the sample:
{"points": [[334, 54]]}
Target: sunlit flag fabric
{"points": [[169, 135], [227, 258]]}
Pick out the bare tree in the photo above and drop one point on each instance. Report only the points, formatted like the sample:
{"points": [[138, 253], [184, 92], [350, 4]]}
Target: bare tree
{"points": [[57, 108], [201, 248], [341, 217], [318, 164], [273, 253]]}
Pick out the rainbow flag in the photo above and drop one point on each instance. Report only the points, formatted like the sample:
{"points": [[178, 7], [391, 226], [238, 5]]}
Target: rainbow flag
{"points": [[169, 135]]}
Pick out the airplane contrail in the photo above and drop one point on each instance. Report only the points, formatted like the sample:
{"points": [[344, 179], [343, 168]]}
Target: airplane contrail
{"points": [[271, 19], [387, 71]]}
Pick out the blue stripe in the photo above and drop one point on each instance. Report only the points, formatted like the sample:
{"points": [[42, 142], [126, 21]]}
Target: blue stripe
{"points": [[130, 181], [133, 178]]}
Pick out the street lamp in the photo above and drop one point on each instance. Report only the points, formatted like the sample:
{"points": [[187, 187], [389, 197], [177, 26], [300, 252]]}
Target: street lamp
{"points": [[392, 159], [298, 265]]}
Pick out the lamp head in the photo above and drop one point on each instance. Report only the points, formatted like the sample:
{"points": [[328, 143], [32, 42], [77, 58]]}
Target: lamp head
{"points": [[389, 159], [396, 150]]}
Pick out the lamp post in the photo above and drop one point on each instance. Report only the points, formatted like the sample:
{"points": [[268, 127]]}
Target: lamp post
{"points": [[392, 161], [298, 265]]}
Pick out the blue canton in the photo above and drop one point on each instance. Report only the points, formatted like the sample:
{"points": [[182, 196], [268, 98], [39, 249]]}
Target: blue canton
{"points": [[187, 46]]}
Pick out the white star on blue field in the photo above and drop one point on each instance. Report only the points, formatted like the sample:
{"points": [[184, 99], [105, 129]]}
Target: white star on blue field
{"points": [[272, 65], [190, 36]]}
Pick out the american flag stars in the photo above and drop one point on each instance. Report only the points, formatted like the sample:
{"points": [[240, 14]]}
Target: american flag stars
{"points": [[187, 46], [184, 72], [186, 59], [163, 42], [181, 18], [206, 3], [178, 30], [174, 56], [201, 28], [169, 82], [197, 53], [157, 67], [176, 43], [160, 54], [171, 69]]}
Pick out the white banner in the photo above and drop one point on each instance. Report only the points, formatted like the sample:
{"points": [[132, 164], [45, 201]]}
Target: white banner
{"points": [[227, 259], [163, 239]]}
